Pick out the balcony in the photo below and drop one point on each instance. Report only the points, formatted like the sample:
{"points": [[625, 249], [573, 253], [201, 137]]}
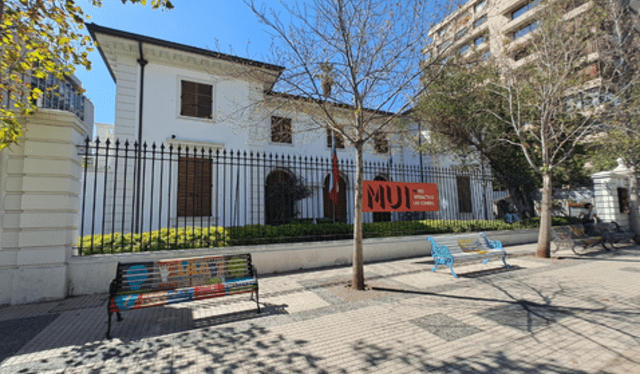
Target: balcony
{"points": [[64, 95]]}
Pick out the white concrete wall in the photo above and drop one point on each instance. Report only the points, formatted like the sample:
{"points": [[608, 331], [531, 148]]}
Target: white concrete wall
{"points": [[92, 274], [40, 186]]}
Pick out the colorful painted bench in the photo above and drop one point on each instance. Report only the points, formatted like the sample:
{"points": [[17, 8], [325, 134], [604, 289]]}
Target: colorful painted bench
{"points": [[572, 236], [140, 285], [463, 248]]}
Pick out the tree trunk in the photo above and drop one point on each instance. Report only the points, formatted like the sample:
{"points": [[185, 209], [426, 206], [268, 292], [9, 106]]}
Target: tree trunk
{"points": [[634, 215], [544, 236], [358, 257]]}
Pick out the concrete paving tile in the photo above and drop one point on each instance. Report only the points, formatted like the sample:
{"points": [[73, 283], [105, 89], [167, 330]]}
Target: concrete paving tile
{"points": [[307, 327]]}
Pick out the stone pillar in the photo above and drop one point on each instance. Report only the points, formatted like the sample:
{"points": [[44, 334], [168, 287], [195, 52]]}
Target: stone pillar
{"points": [[606, 184], [39, 196]]}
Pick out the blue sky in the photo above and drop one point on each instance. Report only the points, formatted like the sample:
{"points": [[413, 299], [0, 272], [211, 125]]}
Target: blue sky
{"points": [[198, 23]]}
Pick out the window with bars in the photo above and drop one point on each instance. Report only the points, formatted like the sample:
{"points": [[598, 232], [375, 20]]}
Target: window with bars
{"points": [[196, 100], [464, 194], [337, 137], [281, 130]]}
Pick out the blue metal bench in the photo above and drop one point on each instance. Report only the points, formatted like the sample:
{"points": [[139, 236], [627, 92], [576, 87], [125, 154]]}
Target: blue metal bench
{"points": [[465, 248]]}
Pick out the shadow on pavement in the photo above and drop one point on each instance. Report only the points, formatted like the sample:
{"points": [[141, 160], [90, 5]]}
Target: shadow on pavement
{"points": [[419, 359]]}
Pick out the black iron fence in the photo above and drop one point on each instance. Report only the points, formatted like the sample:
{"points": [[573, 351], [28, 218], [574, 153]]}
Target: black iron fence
{"points": [[150, 197]]}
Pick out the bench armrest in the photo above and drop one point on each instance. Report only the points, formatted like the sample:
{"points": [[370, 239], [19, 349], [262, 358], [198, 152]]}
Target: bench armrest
{"points": [[493, 244], [439, 250], [254, 271]]}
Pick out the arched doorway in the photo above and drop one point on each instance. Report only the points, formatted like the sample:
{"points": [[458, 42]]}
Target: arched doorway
{"points": [[278, 201], [381, 216], [341, 205]]}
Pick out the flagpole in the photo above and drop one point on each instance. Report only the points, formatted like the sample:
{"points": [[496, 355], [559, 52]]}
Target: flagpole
{"points": [[333, 148]]}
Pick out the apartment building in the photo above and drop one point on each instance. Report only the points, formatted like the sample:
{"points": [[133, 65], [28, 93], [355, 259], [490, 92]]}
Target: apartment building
{"points": [[499, 28]]}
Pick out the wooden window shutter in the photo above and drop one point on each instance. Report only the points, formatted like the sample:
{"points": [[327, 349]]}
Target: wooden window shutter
{"points": [[194, 187]]}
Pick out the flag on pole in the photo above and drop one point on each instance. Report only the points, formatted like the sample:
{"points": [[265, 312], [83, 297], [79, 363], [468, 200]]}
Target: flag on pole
{"points": [[335, 173]]}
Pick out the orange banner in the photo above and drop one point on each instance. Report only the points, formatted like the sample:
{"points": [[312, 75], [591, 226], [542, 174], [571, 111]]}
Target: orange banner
{"points": [[399, 197]]}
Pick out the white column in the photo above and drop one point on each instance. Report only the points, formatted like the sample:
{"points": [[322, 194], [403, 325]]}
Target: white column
{"points": [[39, 192]]}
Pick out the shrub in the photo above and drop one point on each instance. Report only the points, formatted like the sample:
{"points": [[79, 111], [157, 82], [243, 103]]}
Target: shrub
{"points": [[296, 231], [166, 238]]}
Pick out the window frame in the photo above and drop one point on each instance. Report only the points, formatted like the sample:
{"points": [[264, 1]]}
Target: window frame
{"points": [[484, 20], [462, 33], [522, 10], [525, 30], [338, 137], [276, 138], [444, 45], [197, 83], [481, 5], [380, 143]]}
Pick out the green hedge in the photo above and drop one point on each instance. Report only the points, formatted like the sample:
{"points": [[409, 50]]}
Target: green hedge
{"points": [[296, 231], [181, 238]]}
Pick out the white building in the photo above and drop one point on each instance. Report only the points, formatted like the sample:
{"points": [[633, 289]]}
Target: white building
{"points": [[182, 96]]}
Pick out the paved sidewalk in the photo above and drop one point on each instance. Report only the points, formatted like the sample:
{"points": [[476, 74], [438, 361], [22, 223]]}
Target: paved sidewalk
{"points": [[573, 314]]}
